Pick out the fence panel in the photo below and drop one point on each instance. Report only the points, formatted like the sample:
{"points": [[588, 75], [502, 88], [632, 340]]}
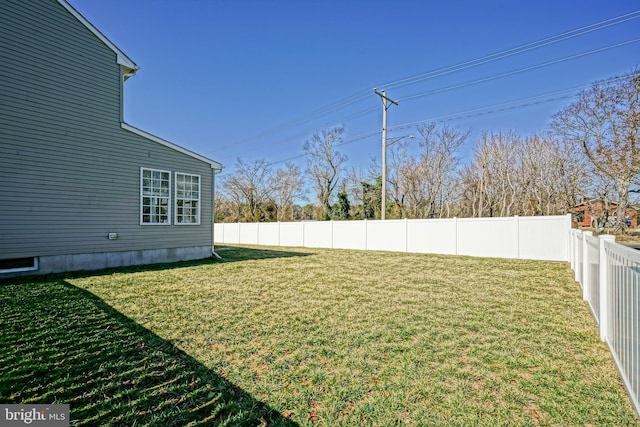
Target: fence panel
{"points": [[249, 233], [231, 233], [292, 234], [434, 236], [318, 234], [624, 308], [350, 235], [592, 282], [269, 233], [488, 237], [537, 237], [218, 232], [389, 235]]}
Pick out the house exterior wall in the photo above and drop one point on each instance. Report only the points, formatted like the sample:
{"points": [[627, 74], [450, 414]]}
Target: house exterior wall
{"points": [[69, 172], [584, 211]]}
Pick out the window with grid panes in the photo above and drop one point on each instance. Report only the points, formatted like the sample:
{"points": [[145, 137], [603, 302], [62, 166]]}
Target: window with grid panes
{"points": [[187, 192], [155, 197]]}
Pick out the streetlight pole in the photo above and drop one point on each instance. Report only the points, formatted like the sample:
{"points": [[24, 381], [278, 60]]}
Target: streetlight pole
{"points": [[385, 107]]}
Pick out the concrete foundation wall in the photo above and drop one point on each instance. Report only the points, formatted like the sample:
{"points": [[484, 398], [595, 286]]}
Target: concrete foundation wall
{"points": [[65, 263]]}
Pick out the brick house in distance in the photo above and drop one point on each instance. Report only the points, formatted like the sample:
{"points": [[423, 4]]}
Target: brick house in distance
{"points": [[586, 211]]}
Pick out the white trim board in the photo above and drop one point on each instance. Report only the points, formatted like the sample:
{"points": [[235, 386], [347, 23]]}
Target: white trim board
{"points": [[214, 165]]}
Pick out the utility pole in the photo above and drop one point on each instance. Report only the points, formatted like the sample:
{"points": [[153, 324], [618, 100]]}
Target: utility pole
{"points": [[385, 107]]}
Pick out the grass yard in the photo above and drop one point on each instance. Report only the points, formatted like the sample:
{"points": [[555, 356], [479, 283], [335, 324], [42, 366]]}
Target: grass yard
{"points": [[274, 336]]}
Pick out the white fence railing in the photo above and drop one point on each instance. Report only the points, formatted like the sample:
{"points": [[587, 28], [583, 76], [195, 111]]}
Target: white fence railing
{"points": [[609, 275], [540, 238]]}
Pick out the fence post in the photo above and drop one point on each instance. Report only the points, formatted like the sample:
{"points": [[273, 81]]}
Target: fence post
{"points": [[455, 235], [516, 220], [578, 255], [366, 240], [332, 234], [569, 225], [575, 235], [604, 287], [406, 235], [303, 245], [585, 266], [571, 250]]}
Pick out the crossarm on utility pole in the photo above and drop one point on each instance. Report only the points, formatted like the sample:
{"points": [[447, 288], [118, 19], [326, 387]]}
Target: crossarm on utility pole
{"points": [[384, 97]]}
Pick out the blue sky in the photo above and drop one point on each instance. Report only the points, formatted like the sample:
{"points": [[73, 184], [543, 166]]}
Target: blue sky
{"points": [[243, 78]]}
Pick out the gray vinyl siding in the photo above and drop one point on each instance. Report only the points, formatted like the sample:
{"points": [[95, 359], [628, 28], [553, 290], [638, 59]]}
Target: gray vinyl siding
{"points": [[69, 174]]}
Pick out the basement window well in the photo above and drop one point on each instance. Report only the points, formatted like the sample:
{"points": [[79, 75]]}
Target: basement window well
{"points": [[15, 265]]}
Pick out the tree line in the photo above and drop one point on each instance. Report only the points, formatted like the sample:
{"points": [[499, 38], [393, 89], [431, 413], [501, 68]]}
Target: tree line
{"points": [[588, 153]]}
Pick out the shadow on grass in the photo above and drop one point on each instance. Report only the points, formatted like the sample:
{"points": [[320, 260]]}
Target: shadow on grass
{"points": [[243, 253], [227, 253], [62, 344]]}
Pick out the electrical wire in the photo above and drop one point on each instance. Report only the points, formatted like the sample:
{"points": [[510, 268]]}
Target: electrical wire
{"points": [[480, 111], [504, 106], [514, 51], [521, 70], [494, 77], [362, 95]]}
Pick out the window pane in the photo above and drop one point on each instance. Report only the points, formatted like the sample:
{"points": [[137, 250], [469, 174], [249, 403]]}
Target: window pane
{"points": [[187, 197], [154, 201]]}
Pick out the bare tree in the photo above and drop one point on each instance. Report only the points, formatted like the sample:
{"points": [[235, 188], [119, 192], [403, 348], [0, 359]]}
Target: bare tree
{"points": [[573, 175], [540, 175], [490, 181], [510, 175], [357, 185], [250, 189], [225, 209], [325, 164], [288, 185], [423, 186], [400, 164], [440, 162], [470, 183], [605, 121]]}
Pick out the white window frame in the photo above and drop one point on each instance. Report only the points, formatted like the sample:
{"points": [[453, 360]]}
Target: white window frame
{"points": [[34, 267], [142, 196], [198, 200]]}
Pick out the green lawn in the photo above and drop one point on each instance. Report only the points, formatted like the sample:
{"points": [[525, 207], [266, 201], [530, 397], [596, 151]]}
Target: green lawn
{"points": [[274, 336]]}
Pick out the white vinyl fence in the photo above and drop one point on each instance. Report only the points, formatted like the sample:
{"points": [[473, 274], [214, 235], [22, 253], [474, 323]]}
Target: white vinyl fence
{"points": [[609, 275], [539, 238]]}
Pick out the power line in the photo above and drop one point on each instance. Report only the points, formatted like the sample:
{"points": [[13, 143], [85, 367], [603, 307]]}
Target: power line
{"points": [[306, 118], [521, 70], [503, 106], [472, 83], [362, 95], [493, 77], [480, 111], [348, 141], [514, 51]]}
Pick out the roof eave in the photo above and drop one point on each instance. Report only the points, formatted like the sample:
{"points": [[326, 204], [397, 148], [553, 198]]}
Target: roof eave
{"points": [[122, 59], [214, 165]]}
